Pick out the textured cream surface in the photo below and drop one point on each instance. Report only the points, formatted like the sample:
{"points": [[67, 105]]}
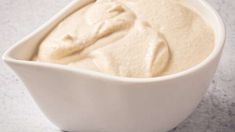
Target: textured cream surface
{"points": [[131, 38]]}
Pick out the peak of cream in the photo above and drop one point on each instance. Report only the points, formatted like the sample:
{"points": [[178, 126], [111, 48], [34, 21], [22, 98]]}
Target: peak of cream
{"points": [[107, 37], [130, 38]]}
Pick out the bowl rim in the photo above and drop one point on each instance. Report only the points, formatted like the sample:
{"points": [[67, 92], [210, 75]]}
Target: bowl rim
{"points": [[216, 51]]}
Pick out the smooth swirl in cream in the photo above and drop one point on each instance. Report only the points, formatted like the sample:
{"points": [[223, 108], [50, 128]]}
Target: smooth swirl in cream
{"points": [[107, 37]]}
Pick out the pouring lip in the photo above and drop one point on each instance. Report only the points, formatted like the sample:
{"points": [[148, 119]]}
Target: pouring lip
{"points": [[7, 58]]}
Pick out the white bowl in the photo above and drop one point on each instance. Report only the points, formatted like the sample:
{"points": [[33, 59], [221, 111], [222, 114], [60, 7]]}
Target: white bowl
{"points": [[79, 100]]}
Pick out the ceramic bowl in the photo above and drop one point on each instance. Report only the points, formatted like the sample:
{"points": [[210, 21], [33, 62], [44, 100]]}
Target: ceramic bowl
{"points": [[79, 100]]}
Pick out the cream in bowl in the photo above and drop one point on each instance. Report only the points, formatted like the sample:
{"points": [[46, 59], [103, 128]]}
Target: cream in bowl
{"points": [[130, 38], [75, 99]]}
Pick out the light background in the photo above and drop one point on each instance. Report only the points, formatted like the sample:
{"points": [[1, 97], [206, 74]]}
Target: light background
{"points": [[18, 113]]}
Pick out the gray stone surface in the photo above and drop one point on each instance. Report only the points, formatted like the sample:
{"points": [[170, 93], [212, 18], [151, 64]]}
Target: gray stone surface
{"points": [[18, 113]]}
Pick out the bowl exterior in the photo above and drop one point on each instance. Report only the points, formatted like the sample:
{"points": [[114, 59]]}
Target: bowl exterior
{"points": [[78, 102]]}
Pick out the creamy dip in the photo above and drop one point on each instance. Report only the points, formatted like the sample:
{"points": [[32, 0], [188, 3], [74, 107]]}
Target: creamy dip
{"points": [[130, 38]]}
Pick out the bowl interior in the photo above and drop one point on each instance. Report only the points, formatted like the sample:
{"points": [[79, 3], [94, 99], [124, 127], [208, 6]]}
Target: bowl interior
{"points": [[23, 51]]}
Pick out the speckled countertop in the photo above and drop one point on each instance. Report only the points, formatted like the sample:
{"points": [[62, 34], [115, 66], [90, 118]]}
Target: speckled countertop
{"points": [[18, 113]]}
